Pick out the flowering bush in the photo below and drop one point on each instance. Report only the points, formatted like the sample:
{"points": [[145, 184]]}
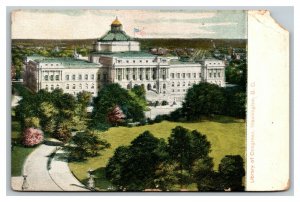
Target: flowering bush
{"points": [[116, 116], [32, 136]]}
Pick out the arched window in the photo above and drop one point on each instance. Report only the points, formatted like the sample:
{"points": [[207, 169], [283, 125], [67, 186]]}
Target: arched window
{"points": [[73, 77], [189, 84], [164, 86], [80, 77], [178, 84], [154, 86], [173, 84], [183, 84], [86, 86], [92, 86], [67, 77], [149, 86]]}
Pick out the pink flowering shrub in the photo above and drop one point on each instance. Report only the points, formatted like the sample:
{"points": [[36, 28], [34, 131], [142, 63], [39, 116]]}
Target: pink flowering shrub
{"points": [[116, 115], [32, 136]]}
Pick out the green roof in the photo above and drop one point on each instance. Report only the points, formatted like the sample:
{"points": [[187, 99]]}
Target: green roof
{"points": [[68, 62], [175, 62], [127, 54], [115, 36]]}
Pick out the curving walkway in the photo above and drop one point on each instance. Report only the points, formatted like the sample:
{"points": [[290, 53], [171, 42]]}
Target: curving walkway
{"points": [[47, 174]]}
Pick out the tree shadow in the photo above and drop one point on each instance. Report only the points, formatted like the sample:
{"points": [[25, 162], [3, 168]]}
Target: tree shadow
{"points": [[53, 143]]}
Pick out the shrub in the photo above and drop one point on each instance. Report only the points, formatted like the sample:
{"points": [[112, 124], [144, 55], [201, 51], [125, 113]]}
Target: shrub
{"points": [[164, 103], [33, 122], [32, 137]]}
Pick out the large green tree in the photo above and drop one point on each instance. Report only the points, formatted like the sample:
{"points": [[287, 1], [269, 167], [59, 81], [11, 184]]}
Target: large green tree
{"points": [[232, 171], [133, 168], [112, 95], [185, 147], [203, 99], [85, 144]]}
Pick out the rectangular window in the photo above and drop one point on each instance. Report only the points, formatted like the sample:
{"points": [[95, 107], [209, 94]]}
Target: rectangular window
{"points": [[92, 76], [215, 75], [209, 75], [219, 75], [178, 75], [73, 77], [51, 77], [194, 75], [172, 75], [46, 77], [183, 75], [57, 77], [80, 77], [189, 75], [86, 77]]}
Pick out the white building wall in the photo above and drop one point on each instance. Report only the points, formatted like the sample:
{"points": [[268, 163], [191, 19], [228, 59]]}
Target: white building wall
{"points": [[70, 80]]}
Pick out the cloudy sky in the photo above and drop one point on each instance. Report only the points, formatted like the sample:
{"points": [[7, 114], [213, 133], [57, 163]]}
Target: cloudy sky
{"points": [[89, 24]]}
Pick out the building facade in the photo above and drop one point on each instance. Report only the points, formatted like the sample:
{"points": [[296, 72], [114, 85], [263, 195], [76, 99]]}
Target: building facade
{"points": [[116, 58], [69, 74]]}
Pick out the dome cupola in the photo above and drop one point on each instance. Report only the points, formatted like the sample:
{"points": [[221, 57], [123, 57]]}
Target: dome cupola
{"points": [[116, 25]]}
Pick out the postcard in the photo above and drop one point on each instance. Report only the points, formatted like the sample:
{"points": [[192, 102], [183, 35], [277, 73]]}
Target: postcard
{"points": [[149, 101]]}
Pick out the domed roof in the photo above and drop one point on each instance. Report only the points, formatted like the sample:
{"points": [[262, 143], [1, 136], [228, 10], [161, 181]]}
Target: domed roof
{"points": [[116, 33], [116, 22]]}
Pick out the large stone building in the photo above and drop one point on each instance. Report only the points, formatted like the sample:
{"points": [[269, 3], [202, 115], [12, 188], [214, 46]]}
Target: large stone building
{"points": [[116, 58]]}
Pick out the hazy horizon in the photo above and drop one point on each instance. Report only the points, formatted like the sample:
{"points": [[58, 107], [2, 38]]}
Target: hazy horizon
{"points": [[156, 24]]}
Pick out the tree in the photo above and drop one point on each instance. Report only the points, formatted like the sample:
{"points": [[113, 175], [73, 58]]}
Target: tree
{"points": [[235, 102], [166, 176], [133, 167], [236, 73], [32, 137], [112, 95], [185, 147], [32, 122], [85, 144], [203, 99], [204, 175], [116, 116], [232, 171], [63, 132]]}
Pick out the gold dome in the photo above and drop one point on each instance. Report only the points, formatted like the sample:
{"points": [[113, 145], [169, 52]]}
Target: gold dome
{"points": [[116, 22]]}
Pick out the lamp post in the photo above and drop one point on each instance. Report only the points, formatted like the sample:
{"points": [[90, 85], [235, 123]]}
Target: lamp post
{"points": [[91, 181], [25, 183]]}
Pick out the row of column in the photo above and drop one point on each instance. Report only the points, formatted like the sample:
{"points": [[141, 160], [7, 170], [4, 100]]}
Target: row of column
{"points": [[141, 73]]}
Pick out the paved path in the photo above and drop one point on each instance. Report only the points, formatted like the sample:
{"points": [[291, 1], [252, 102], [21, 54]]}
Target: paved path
{"points": [[46, 175], [62, 176]]}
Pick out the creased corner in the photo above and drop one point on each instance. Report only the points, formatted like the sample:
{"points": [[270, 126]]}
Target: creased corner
{"points": [[265, 17]]}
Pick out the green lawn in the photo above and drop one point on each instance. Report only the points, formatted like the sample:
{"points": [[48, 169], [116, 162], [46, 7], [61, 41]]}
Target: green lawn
{"points": [[19, 153], [227, 136]]}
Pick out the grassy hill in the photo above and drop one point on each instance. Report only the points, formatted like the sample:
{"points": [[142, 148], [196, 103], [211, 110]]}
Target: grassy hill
{"points": [[227, 136]]}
